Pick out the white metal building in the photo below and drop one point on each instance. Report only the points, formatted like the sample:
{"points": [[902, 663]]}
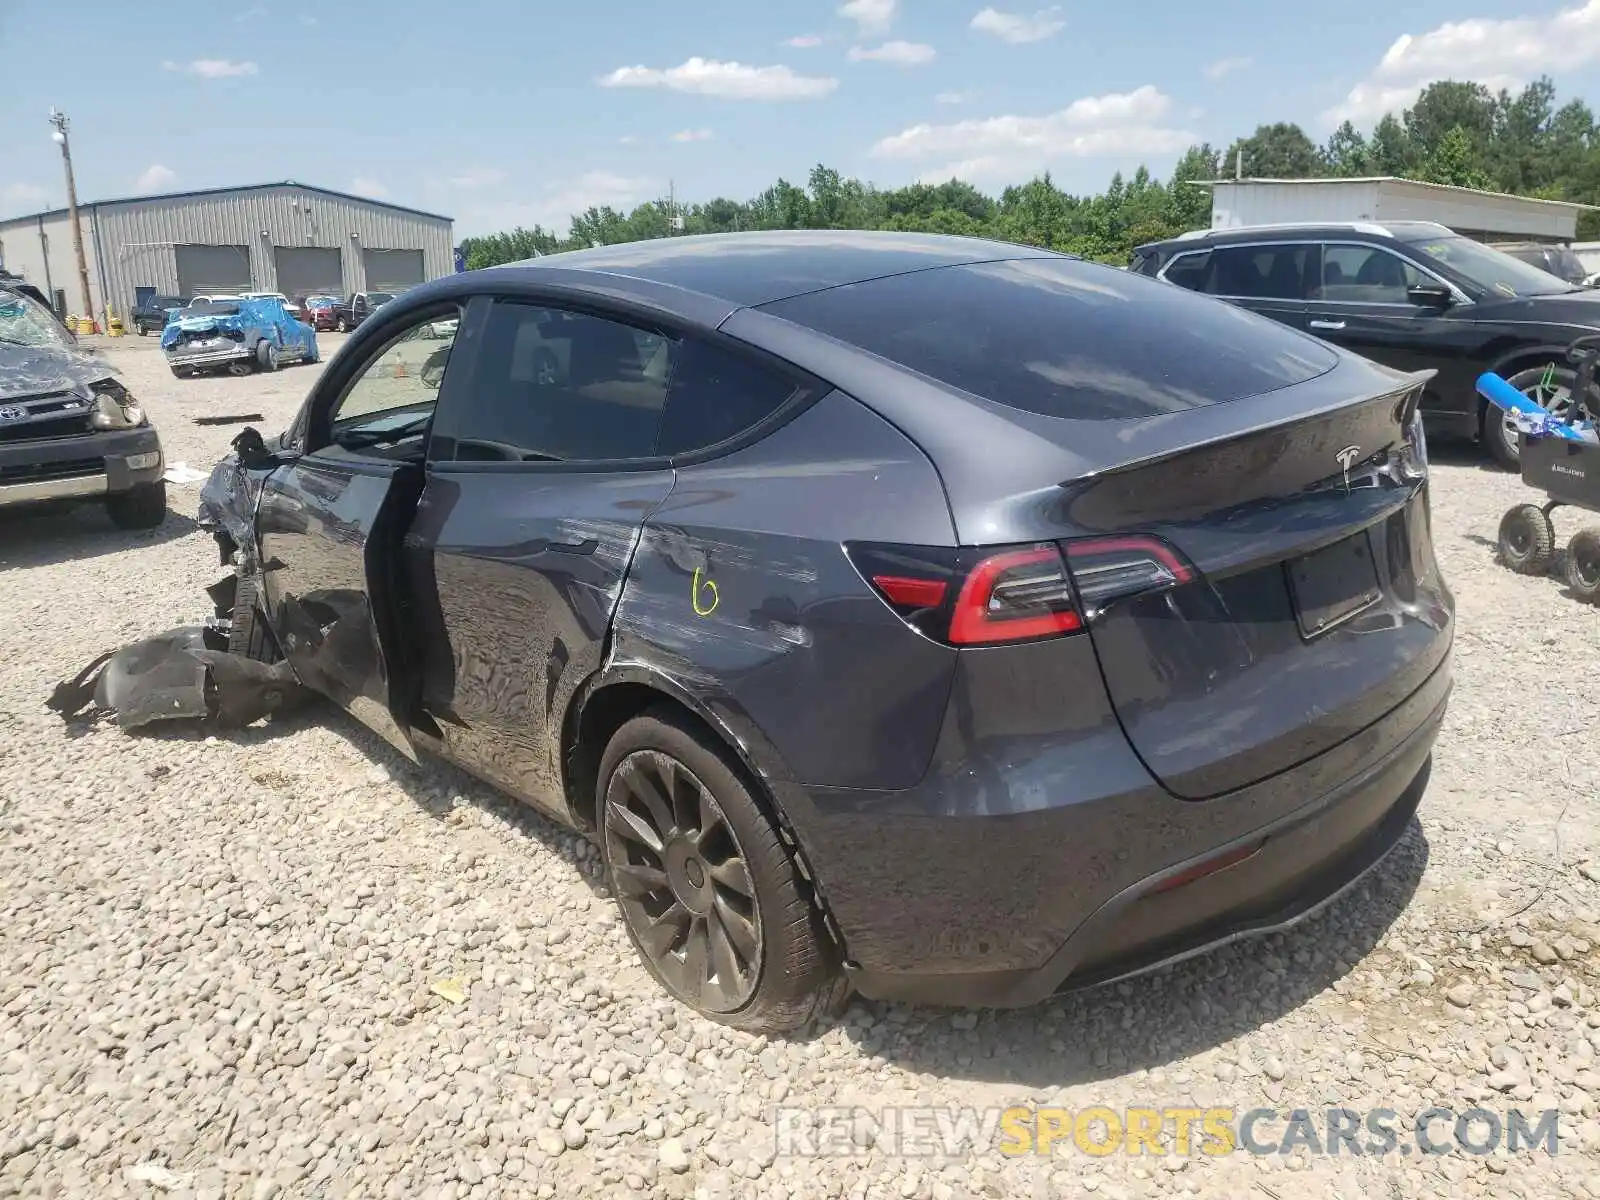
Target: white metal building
{"points": [[273, 237], [1483, 215]]}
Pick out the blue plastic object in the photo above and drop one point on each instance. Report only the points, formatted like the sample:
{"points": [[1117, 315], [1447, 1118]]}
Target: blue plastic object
{"points": [[1506, 398]]}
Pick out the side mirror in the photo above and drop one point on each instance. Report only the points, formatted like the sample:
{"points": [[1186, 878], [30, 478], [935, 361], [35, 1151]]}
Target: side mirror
{"points": [[1430, 295], [253, 452]]}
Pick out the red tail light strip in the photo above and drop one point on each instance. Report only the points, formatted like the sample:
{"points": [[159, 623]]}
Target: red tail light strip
{"points": [[1041, 603]]}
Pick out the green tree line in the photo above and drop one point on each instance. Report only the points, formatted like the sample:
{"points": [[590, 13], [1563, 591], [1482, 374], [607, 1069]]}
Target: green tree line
{"points": [[1455, 133]]}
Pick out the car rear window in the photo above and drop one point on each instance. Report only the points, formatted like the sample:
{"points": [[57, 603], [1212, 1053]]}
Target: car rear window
{"points": [[1064, 338]]}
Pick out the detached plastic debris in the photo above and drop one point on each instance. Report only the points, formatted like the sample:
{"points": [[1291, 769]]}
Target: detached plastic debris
{"points": [[1528, 417], [177, 676]]}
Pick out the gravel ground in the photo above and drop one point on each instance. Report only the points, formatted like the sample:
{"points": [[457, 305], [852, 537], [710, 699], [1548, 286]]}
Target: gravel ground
{"points": [[217, 956]]}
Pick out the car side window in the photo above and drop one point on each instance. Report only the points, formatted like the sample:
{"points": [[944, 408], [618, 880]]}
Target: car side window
{"points": [[1366, 275], [551, 385], [716, 395], [1190, 271], [392, 399], [1287, 271]]}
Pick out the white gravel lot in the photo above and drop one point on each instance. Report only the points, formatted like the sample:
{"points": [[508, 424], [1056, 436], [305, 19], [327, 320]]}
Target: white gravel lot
{"points": [[216, 953]]}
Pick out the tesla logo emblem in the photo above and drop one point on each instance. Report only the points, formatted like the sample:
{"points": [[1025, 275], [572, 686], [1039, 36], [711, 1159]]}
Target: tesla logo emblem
{"points": [[1347, 459]]}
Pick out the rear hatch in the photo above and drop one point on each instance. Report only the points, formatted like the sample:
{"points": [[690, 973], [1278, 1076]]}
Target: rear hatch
{"points": [[1304, 603], [1243, 510]]}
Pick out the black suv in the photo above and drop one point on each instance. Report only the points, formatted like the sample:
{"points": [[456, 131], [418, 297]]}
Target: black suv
{"points": [[1559, 260], [1407, 294]]}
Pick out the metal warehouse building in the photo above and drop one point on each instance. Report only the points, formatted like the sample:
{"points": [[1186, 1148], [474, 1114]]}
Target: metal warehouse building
{"points": [[1487, 216], [273, 237]]}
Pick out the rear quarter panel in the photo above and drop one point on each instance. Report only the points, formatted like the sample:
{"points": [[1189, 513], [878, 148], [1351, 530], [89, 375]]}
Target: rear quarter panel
{"points": [[742, 596]]}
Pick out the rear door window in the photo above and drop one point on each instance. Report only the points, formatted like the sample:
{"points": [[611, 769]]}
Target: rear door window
{"points": [[1064, 338], [717, 395], [1285, 271]]}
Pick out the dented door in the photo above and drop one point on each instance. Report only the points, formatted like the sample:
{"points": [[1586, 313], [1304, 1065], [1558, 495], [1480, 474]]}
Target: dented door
{"points": [[518, 575], [330, 526]]}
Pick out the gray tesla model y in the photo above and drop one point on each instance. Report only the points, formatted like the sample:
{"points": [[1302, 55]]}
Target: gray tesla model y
{"points": [[946, 619]]}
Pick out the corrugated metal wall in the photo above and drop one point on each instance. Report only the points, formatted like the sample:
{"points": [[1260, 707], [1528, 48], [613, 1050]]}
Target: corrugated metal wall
{"points": [[137, 238], [1264, 203], [41, 252], [130, 244]]}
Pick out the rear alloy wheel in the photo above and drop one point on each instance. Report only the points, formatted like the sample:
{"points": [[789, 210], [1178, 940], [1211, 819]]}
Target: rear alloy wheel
{"points": [[1583, 565], [1548, 386], [1527, 540], [712, 900], [267, 355]]}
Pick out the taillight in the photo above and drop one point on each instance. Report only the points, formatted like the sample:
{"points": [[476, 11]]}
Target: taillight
{"points": [[1014, 596], [985, 596], [1106, 570]]}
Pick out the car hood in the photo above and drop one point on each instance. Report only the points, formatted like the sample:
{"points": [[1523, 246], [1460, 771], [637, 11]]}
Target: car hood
{"points": [[40, 370], [1570, 308]]}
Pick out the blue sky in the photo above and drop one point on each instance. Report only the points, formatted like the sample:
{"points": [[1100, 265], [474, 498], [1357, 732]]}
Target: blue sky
{"points": [[500, 113]]}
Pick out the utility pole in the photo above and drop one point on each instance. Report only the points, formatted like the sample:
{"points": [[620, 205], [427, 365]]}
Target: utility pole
{"points": [[59, 121]]}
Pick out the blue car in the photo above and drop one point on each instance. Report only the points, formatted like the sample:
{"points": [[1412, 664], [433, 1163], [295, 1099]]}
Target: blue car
{"points": [[245, 335]]}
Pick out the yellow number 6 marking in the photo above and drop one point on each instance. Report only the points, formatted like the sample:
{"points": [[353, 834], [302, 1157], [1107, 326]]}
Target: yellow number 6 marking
{"points": [[694, 596]]}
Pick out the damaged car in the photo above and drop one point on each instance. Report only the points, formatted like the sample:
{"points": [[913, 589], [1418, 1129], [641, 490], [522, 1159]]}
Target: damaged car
{"points": [[893, 611], [249, 334], [70, 430]]}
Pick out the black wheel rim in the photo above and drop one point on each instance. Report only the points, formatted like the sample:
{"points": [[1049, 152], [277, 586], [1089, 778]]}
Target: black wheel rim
{"points": [[1520, 538], [682, 882]]}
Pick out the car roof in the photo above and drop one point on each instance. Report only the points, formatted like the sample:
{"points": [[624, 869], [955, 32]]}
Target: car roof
{"points": [[1289, 230], [751, 269]]}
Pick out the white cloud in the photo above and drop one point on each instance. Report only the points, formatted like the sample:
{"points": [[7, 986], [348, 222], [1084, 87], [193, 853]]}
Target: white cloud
{"points": [[23, 196], [692, 135], [727, 80], [629, 139], [1498, 54], [308, 19], [870, 16], [250, 15], [1019, 27], [1124, 125], [556, 205], [154, 177], [362, 186], [212, 68], [805, 41], [1226, 66], [477, 177], [903, 54], [949, 98]]}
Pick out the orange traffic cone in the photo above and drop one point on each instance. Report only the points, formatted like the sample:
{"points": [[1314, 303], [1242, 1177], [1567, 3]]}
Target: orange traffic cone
{"points": [[400, 371]]}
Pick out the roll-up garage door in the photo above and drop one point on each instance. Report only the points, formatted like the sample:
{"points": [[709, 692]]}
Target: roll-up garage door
{"points": [[392, 270], [213, 270], [309, 271]]}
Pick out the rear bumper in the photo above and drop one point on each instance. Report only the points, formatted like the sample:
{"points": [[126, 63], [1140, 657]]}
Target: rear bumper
{"points": [[1005, 910], [81, 467], [211, 357]]}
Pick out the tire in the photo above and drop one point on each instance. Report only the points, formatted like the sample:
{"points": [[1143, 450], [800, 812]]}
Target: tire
{"points": [[142, 507], [1550, 386], [247, 632], [1527, 540], [142, 329], [180, 373], [787, 971], [267, 355], [339, 325], [1583, 565]]}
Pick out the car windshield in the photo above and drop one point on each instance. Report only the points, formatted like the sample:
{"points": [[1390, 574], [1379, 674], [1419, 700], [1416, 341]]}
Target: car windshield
{"points": [[1492, 271], [26, 322], [379, 298], [210, 308]]}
